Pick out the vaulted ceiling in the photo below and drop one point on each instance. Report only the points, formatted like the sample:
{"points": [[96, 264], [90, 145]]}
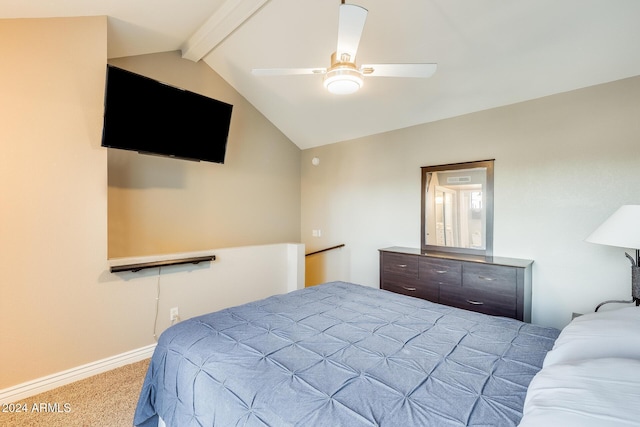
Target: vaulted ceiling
{"points": [[489, 53]]}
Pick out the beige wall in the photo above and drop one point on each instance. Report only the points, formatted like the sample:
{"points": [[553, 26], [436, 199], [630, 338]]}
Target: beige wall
{"points": [[563, 164], [60, 308], [159, 205], [53, 216]]}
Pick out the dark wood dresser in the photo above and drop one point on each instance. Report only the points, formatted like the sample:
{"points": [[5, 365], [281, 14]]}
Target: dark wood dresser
{"points": [[492, 285]]}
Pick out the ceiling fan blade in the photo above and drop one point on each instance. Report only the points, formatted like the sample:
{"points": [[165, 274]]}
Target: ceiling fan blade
{"points": [[350, 25], [287, 71], [398, 70]]}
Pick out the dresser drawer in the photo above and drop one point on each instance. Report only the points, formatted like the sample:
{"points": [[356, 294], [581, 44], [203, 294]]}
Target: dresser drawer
{"points": [[413, 289], [492, 278], [482, 301], [440, 272], [400, 265]]}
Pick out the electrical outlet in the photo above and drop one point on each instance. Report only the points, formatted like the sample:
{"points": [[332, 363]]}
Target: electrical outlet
{"points": [[174, 314]]}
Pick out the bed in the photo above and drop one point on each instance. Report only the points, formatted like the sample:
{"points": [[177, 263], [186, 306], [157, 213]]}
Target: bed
{"points": [[342, 354], [591, 377]]}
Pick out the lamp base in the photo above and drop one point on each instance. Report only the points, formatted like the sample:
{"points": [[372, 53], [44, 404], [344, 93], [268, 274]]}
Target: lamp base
{"points": [[635, 283], [635, 288]]}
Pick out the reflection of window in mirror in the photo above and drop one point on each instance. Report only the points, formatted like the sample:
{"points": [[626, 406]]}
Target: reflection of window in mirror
{"points": [[457, 208]]}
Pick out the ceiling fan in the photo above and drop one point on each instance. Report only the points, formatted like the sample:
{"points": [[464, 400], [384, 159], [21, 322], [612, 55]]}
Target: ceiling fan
{"points": [[344, 76]]}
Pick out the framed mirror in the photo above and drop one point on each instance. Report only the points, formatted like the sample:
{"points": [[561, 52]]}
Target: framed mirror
{"points": [[457, 208]]}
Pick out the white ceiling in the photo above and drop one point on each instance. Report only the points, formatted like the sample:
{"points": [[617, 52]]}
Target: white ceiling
{"points": [[489, 52]]}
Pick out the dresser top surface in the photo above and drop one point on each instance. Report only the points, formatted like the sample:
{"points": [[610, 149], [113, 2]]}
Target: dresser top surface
{"points": [[493, 260]]}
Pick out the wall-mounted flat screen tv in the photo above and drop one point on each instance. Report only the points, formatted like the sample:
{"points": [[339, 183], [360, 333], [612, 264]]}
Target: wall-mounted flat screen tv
{"points": [[145, 115]]}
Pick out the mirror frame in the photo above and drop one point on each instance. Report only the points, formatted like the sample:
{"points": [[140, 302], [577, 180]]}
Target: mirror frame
{"points": [[488, 249]]}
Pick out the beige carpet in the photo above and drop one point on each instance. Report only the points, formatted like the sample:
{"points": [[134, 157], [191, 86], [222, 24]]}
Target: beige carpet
{"points": [[107, 399]]}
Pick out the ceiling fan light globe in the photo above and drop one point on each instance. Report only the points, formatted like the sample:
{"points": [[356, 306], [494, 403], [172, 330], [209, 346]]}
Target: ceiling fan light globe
{"points": [[343, 81]]}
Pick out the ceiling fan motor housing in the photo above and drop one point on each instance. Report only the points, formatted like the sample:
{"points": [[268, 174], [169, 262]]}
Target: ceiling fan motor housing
{"points": [[343, 77]]}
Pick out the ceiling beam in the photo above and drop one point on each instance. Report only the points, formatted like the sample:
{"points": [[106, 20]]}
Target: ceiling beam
{"points": [[224, 21]]}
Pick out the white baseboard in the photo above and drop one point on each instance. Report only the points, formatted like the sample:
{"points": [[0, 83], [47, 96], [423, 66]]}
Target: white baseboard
{"points": [[40, 385]]}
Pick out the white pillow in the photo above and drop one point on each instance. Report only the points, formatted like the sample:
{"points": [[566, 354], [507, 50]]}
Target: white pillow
{"points": [[614, 333], [588, 393]]}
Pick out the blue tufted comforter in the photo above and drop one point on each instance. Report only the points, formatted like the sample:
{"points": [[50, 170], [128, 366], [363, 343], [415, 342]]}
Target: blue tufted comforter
{"points": [[341, 354]]}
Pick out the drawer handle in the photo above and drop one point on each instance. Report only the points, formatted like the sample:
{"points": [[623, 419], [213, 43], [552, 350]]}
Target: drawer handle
{"points": [[407, 288], [402, 265], [472, 302], [489, 279], [441, 271]]}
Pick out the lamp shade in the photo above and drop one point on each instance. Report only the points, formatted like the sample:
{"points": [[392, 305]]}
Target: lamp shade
{"points": [[622, 229]]}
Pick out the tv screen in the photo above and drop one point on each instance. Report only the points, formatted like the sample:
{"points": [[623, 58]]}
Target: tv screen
{"points": [[145, 115]]}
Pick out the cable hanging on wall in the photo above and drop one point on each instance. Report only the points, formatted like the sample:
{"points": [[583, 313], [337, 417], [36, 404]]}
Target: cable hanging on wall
{"points": [[155, 321]]}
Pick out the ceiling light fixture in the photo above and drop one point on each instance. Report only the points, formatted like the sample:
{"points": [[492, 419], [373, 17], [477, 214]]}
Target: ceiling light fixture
{"points": [[343, 77], [343, 81]]}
